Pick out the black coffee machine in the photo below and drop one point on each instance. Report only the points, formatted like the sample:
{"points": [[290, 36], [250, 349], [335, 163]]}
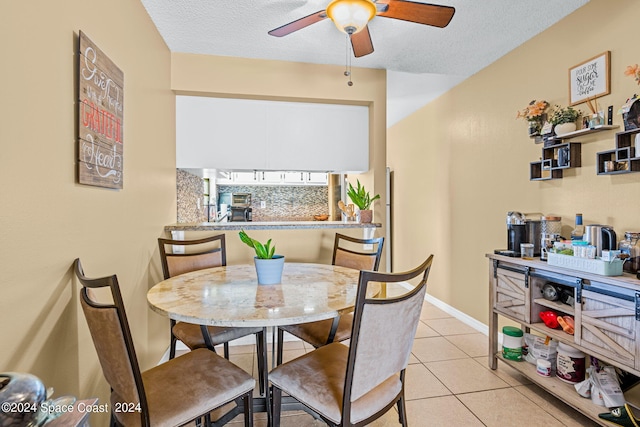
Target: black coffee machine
{"points": [[516, 234], [516, 231]]}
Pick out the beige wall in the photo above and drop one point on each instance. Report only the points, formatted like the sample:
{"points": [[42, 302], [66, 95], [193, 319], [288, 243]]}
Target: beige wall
{"points": [[277, 80], [462, 162], [47, 220]]}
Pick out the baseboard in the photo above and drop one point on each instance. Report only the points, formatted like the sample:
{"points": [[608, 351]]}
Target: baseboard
{"points": [[464, 318]]}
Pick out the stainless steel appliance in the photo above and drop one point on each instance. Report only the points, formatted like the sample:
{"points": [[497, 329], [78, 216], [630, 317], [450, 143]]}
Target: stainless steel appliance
{"points": [[240, 214], [240, 200], [533, 234], [600, 236]]}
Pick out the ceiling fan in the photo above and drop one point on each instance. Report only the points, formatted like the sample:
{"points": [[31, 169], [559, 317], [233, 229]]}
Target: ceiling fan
{"points": [[352, 16]]}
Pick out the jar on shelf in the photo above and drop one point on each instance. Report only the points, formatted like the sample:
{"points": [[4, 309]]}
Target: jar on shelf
{"points": [[551, 225], [630, 246]]}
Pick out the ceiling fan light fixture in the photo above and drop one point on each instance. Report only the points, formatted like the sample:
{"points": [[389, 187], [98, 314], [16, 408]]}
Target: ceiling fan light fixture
{"points": [[351, 16]]}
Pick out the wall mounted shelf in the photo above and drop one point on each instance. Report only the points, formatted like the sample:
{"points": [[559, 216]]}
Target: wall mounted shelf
{"points": [[624, 157], [549, 166], [581, 132]]}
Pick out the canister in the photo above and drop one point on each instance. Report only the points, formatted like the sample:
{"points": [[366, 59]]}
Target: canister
{"points": [[543, 367], [512, 341], [570, 364]]}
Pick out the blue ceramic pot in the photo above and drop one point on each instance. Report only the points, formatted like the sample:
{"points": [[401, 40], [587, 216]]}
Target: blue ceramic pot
{"points": [[269, 270]]}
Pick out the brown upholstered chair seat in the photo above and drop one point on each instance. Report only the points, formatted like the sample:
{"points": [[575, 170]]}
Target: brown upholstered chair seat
{"points": [[213, 382], [191, 334], [324, 393], [317, 333]]}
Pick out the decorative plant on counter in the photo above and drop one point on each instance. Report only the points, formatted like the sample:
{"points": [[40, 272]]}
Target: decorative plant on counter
{"points": [[265, 251], [560, 115], [535, 114], [360, 197]]}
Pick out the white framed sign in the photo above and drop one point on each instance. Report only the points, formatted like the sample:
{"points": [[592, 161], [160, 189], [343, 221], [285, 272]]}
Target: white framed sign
{"points": [[590, 79]]}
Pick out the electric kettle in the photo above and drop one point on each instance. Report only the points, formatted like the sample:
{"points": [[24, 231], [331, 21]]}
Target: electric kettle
{"points": [[600, 236]]}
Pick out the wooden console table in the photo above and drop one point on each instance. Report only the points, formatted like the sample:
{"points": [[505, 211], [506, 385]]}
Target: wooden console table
{"points": [[606, 311]]}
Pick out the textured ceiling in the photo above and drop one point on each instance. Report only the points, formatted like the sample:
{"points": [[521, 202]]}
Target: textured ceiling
{"points": [[480, 32]]}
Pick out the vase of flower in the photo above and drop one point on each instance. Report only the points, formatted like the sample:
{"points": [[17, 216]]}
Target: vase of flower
{"points": [[535, 127], [534, 113]]}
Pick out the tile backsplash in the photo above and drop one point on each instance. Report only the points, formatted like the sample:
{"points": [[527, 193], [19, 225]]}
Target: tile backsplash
{"points": [[190, 198], [282, 203]]}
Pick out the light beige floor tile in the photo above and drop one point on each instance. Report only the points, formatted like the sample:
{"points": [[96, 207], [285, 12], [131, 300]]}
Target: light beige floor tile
{"points": [[413, 359], [554, 406], [451, 326], [465, 376], [507, 407], [474, 345], [420, 383], [424, 331], [435, 348], [246, 361], [430, 311], [505, 372], [446, 411], [292, 345], [237, 349]]}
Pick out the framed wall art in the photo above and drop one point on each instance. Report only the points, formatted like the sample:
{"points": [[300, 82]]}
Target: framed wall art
{"points": [[100, 117], [590, 79]]}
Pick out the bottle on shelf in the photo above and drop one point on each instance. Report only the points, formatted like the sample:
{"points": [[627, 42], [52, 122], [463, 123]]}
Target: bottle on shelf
{"points": [[578, 230]]}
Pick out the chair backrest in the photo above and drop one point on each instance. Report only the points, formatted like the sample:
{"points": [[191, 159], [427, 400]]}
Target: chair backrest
{"points": [[200, 253], [383, 331], [112, 339], [348, 252]]}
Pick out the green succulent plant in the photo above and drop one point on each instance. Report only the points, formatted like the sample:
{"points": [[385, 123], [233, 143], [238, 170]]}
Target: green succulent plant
{"points": [[263, 251], [360, 197]]}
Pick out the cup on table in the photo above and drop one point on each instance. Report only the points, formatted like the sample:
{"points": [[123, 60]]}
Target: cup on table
{"points": [[526, 250]]}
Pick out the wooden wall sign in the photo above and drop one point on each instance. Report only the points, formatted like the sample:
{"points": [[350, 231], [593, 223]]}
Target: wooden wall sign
{"points": [[590, 79], [100, 117]]}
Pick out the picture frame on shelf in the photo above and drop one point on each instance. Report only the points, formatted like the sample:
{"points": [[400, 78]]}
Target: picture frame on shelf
{"points": [[590, 79]]}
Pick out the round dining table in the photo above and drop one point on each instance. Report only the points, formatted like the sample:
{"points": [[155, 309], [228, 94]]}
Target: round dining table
{"points": [[231, 296]]}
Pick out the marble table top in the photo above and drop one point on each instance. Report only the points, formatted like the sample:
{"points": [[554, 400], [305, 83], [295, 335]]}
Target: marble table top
{"points": [[231, 296]]}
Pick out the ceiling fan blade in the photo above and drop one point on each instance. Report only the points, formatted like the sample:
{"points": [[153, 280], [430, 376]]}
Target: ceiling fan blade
{"points": [[298, 24], [421, 13], [361, 43]]}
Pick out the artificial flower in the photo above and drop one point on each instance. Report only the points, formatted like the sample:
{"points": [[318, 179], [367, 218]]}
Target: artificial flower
{"points": [[633, 71], [534, 111]]}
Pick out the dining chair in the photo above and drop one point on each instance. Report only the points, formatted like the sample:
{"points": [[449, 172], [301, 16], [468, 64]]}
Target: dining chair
{"points": [[356, 384], [167, 394], [200, 254], [347, 252]]}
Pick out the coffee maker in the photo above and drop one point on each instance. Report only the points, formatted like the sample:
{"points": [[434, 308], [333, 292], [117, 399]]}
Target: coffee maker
{"points": [[516, 232]]}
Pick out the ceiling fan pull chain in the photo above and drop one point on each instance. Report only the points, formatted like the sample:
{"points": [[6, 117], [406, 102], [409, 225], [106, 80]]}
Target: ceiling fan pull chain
{"points": [[347, 71]]}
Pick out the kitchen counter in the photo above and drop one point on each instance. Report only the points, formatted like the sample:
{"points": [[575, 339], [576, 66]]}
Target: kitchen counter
{"points": [[267, 225]]}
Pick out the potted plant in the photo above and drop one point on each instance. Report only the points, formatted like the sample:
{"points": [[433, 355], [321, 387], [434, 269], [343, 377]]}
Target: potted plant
{"points": [[534, 113], [564, 119], [268, 265], [361, 198]]}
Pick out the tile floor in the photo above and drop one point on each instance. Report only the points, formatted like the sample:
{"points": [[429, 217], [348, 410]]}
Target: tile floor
{"points": [[448, 383]]}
